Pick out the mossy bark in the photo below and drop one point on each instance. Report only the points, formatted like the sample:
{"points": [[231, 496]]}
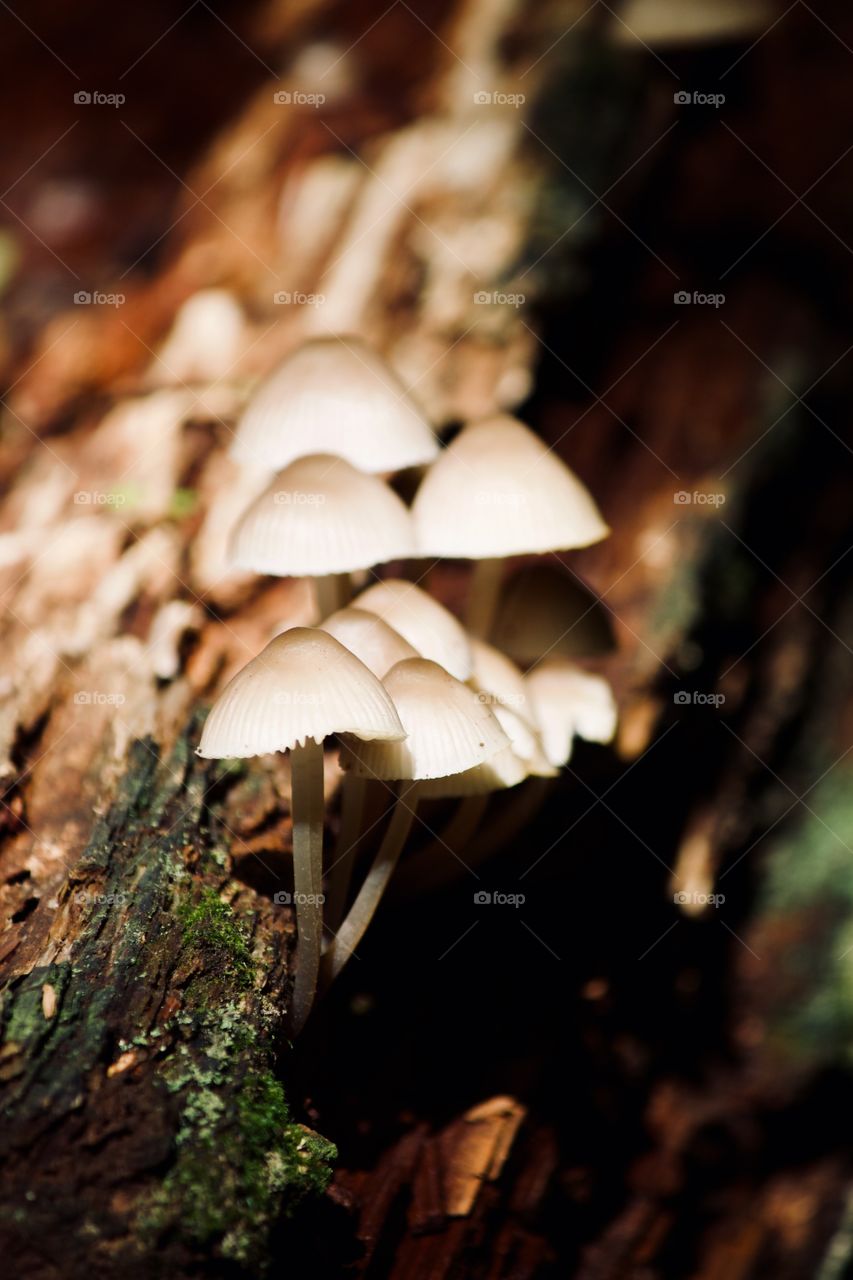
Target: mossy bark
{"points": [[142, 1116]]}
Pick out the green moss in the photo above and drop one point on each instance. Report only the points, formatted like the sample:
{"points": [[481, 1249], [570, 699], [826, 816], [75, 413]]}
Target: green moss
{"points": [[211, 926], [809, 888], [183, 503]]}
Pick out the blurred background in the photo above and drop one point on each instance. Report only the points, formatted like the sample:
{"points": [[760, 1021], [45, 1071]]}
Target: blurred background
{"points": [[629, 224]]}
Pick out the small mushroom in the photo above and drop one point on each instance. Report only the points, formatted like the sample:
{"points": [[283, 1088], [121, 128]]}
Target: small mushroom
{"points": [[569, 702], [426, 624], [497, 490], [448, 732], [334, 395], [301, 688], [321, 517]]}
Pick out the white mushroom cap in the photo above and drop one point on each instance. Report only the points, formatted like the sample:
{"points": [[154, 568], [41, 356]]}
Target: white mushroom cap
{"points": [[334, 395], [303, 685], [545, 609], [502, 771], [370, 638], [421, 620], [526, 744], [319, 516], [448, 729], [498, 680], [569, 701], [498, 490]]}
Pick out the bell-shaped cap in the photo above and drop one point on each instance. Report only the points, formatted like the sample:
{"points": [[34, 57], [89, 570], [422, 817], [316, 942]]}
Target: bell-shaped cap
{"points": [[502, 771], [568, 702], [319, 516], [543, 609], [370, 638], [334, 395], [421, 620], [498, 490], [303, 685], [498, 680], [526, 744], [447, 728]]}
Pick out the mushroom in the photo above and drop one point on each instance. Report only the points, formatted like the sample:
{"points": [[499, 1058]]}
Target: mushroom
{"points": [[334, 395], [497, 490], [522, 763], [568, 701], [379, 647], [544, 609], [448, 732], [321, 517], [302, 687], [421, 620]]}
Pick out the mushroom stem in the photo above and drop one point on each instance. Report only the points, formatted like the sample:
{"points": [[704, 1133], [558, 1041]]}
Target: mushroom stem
{"points": [[524, 803], [306, 764], [340, 872], [483, 592], [369, 895], [326, 591], [440, 862]]}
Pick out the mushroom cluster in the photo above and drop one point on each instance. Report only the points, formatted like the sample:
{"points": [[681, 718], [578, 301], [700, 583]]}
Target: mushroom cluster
{"points": [[414, 702]]}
